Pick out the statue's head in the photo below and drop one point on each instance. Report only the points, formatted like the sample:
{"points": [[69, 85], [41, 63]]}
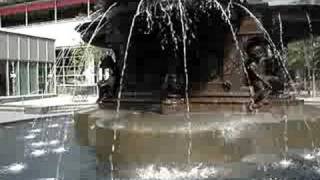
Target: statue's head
{"points": [[256, 52], [257, 49]]}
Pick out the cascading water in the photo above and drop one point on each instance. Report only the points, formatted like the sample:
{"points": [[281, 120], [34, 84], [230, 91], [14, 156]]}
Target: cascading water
{"points": [[65, 53], [312, 53], [285, 140], [313, 147], [283, 50], [186, 90], [184, 34], [226, 18], [124, 65]]}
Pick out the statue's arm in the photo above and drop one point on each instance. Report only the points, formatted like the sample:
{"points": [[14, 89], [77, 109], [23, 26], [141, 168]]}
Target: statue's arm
{"points": [[255, 73]]}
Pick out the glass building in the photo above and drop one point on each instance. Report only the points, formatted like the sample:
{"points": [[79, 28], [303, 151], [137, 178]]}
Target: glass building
{"points": [[27, 65]]}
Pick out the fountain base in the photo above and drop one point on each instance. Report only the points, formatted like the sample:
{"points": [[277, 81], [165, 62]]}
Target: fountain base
{"points": [[204, 102]]}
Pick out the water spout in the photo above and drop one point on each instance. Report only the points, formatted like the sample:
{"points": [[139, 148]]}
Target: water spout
{"points": [[226, 18], [124, 65], [184, 34], [312, 54], [283, 51], [270, 41]]}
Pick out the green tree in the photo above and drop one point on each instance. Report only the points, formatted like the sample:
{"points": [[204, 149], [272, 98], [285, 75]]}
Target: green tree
{"points": [[84, 52]]}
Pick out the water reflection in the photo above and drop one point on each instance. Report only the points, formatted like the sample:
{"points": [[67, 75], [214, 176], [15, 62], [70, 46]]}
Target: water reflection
{"points": [[152, 146], [148, 144]]}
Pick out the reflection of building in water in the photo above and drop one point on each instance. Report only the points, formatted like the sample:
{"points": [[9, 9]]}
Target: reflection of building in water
{"points": [[27, 65]]}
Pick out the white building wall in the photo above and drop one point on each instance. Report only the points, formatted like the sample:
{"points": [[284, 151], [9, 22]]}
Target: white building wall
{"points": [[63, 32]]}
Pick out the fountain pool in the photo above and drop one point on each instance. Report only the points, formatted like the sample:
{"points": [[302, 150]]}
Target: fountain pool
{"points": [[148, 145], [142, 144]]}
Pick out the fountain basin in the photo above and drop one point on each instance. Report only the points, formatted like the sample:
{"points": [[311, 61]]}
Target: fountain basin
{"points": [[220, 139]]}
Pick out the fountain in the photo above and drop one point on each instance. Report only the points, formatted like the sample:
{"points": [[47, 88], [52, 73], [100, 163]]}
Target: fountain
{"points": [[188, 77], [191, 56]]}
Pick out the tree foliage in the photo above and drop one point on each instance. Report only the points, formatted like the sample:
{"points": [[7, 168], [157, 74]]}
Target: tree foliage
{"points": [[305, 53], [85, 52]]}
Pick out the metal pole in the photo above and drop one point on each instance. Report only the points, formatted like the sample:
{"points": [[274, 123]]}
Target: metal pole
{"points": [[55, 73], [63, 71], [26, 14], [18, 68], [28, 77], [46, 70], [0, 22], [13, 80], [55, 11], [88, 8], [8, 68]]}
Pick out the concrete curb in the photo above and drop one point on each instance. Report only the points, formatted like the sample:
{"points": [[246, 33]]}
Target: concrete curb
{"points": [[36, 117]]}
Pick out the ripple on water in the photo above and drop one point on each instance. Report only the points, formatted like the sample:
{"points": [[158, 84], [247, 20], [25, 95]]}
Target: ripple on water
{"points": [[285, 163], [39, 144], [54, 142], [35, 130], [14, 168], [30, 136], [59, 150], [308, 156], [53, 125], [196, 172], [38, 153], [70, 122]]}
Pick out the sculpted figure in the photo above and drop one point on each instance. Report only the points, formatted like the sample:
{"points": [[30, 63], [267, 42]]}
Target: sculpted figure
{"points": [[257, 57], [107, 84]]}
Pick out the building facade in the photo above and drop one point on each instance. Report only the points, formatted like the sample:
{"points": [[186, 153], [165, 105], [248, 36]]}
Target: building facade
{"points": [[55, 19], [27, 65], [26, 12]]}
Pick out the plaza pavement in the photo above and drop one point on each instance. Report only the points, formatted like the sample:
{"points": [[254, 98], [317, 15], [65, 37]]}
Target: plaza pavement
{"points": [[31, 109], [17, 111]]}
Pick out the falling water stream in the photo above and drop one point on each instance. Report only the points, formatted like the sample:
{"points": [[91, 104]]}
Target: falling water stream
{"points": [[184, 35], [226, 18], [270, 41], [186, 88], [312, 53], [124, 63], [285, 138], [281, 34]]}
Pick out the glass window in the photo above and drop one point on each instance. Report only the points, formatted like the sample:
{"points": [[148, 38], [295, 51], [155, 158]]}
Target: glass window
{"points": [[73, 11], [33, 72], [3, 81], [23, 78], [50, 71], [13, 20], [40, 16], [42, 77]]}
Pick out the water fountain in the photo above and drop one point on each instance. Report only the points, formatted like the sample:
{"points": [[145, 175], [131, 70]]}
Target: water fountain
{"points": [[181, 107], [197, 66]]}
